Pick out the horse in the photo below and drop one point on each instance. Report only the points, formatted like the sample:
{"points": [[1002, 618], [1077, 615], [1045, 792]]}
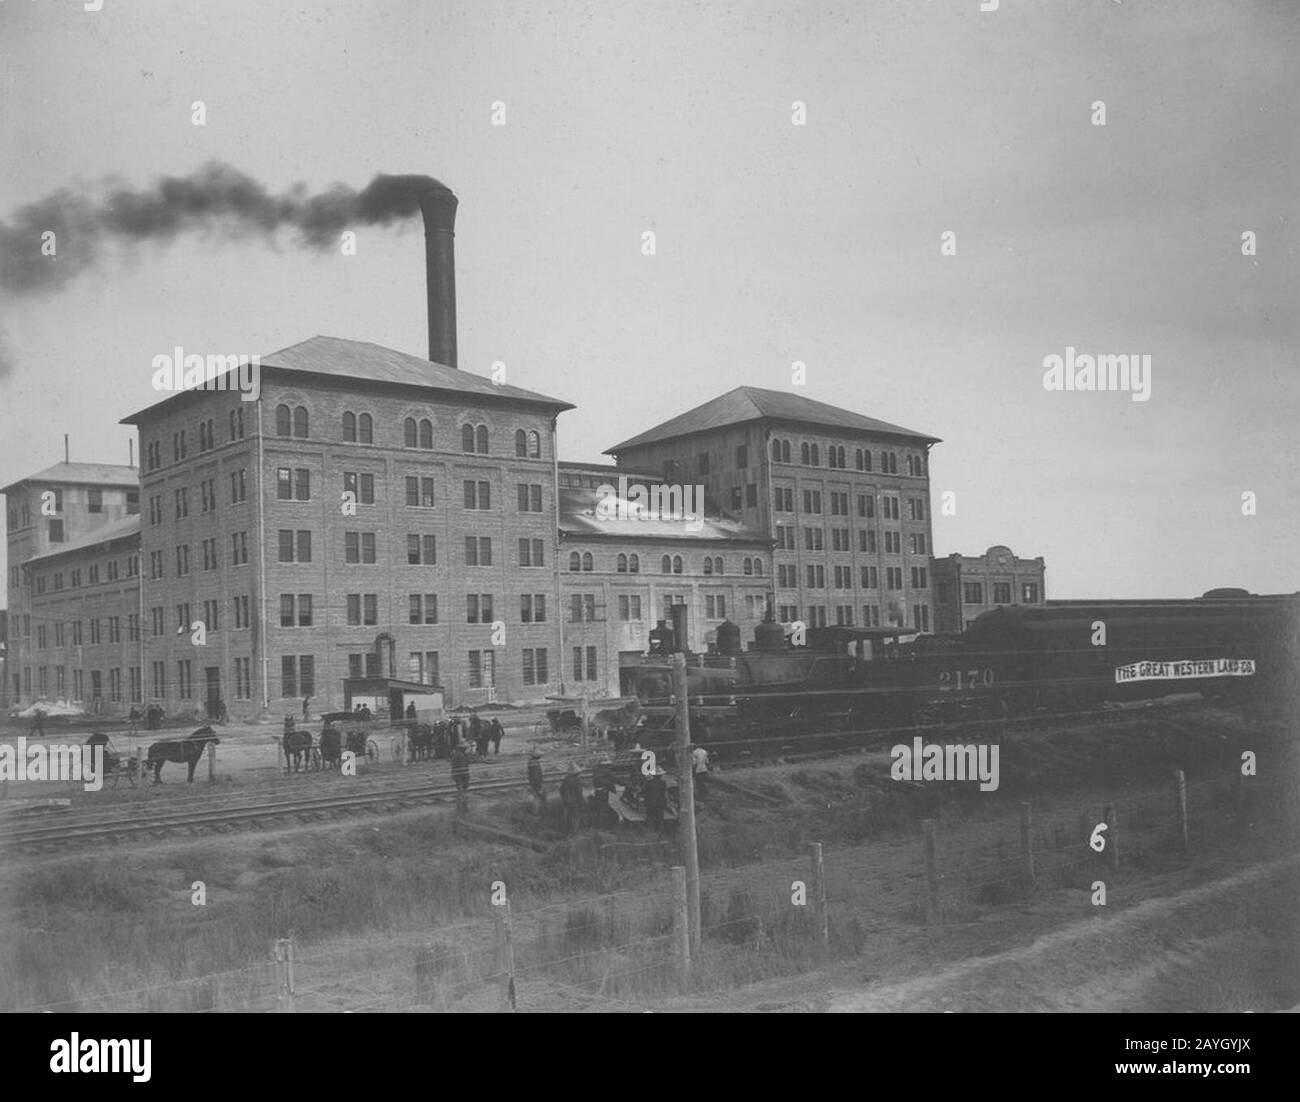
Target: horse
{"points": [[297, 746], [188, 750], [331, 748], [421, 741]]}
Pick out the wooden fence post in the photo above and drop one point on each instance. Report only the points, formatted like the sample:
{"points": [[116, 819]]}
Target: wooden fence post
{"points": [[284, 974], [681, 928], [817, 881], [1180, 796], [506, 954], [931, 875], [1027, 843], [212, 762], [139, 762], [1111, 816]]}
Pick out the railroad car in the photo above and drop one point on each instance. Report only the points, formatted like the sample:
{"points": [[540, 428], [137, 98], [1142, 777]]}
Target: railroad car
{"points": [[1063, 657]]}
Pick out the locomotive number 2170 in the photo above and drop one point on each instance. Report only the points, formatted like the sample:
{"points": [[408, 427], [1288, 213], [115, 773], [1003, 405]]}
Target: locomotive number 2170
{"points": [[964, 679]]}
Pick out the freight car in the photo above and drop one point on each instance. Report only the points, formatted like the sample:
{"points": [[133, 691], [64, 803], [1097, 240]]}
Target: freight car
{"points": [[1068, 656]]}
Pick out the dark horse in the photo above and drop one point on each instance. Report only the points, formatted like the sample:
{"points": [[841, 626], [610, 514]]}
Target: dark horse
{"points": [[297, 744], [188, 750], [331, 748]]}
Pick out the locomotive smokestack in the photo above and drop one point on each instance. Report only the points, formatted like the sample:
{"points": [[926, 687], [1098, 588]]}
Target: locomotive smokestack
{"points": [[438, 205]]}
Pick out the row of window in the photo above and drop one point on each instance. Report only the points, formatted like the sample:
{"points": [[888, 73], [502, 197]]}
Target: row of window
{"points": [[93, 575], [94, 504], [814, 539], [60, 686], [783, 501], [816, 616], [973, 593], [837, 457], [584, 562], [70, 633]]}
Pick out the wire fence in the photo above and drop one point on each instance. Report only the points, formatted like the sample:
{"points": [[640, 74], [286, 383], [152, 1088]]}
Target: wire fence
{"points": [[624, 950]]}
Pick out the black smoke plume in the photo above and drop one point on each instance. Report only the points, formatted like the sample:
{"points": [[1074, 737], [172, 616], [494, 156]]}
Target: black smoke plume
{"points": [[216, 198]]}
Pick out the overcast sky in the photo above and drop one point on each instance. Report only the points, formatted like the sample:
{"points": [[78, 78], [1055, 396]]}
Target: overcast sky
{"points": [[775, 242]]}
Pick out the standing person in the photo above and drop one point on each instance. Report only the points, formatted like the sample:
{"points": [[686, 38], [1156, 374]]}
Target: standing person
{"points": [[460, 770], [410, 710], [482, 733], [38, 723], [571, 798], [498, 733], [535, 779], [655, 792], [305, 701], [699, 766]]}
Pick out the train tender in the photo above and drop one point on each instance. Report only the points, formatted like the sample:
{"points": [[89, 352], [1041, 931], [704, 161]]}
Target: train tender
{"points": [[1066, 656]]}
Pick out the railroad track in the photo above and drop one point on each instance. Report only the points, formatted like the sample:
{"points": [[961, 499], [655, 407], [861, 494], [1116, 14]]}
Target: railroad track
{"points": [[24, 838]]}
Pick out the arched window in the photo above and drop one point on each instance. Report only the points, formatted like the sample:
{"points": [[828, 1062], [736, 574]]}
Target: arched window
{"points": [[621, 563], [634, 564], [816, 458], [575, 561], [521, 443], [481, 440], [366, 428], [717, 566], [666, 565], [857, 459], [866, 456], [300, 422], [283, 421], [534, 445], [409, 438], [748, 567], [587, 562], [776, 451], [350, 427], [785, 451], [677, 564], [758, 568], [426, 433], [803, 453], [708, 565]]}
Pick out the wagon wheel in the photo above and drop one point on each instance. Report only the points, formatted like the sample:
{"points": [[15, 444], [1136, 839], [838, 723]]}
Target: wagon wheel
{"points": [[372, 749]]}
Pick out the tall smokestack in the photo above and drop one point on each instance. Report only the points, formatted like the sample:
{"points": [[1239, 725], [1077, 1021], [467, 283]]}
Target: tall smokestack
{"points": [[438, 205]]}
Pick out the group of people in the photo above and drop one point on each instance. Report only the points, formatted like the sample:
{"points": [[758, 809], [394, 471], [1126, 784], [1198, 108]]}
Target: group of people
{"points": [[647, 787]]}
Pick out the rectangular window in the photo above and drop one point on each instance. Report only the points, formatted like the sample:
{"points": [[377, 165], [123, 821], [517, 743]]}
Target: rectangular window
{"points": [[478, 495], [529, 497], [1029, 593], [478, 550], [289, 675], [359, 547], [95, 503], [1001, 593], [361, 486], [973, 593], [534, 666], [56, 530], [920, 580]]}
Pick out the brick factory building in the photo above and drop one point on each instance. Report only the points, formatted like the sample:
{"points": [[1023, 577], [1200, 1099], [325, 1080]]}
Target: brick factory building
{"points": [[373, 514], [844, 497], [966, 586], [621, 573], [55, 518]]}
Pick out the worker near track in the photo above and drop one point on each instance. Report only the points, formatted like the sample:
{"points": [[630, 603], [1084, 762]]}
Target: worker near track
{"points": [[38, 723], [655, 793], [699, 766], [498, 733], [410, 710], [535, 779], [460, 769], [571, 798]]}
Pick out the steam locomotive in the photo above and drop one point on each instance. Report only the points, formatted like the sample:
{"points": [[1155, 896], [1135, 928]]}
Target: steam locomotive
{"points": [[1064, 657]]}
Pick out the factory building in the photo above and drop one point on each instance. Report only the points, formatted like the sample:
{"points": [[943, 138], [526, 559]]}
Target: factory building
{"points": [[966, 586], [624, 568], [845, 499]]}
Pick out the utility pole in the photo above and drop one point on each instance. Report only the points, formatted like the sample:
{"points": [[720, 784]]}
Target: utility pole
{"points": [[686, 799]]}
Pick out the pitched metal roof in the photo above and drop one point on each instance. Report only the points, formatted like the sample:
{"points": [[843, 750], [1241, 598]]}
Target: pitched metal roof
{"points": [[83, 474], [751, 403], [121, 528], [578, 519], [361, 360]]}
